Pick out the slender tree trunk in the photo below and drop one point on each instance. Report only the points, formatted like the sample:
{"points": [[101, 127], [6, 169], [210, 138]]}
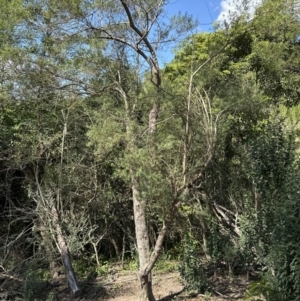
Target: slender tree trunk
{"points": [[142, 239], [114, 243], [123, 250], [146, 259], [53, 266], [64, 252]]}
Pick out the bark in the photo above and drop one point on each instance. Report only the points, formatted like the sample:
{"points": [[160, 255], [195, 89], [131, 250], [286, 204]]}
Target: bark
{"points": [[146, 260], [142, 239], [123, 250], [204, 232], [54, 269], [53, 266], [156, 252], [146, 293], [114, 243], [64, 252], [227, 217], [153, 118]]}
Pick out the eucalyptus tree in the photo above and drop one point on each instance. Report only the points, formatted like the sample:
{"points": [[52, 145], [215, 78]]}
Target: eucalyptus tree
{"points": [[134, 31], [169, 165]]}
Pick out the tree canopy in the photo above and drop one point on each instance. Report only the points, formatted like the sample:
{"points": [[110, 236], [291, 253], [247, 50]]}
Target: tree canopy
{"points": [[106, 155]]}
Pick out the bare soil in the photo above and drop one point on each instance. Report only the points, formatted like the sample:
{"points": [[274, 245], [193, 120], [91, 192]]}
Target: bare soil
{"points": [[124, 287]]}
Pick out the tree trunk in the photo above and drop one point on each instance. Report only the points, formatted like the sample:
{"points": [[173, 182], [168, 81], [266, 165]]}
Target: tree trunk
{"points": [[54, 269], [142, 240], [146, 259], [64, 252], [123, 250], [114, 243], [53, 266], [146, 288]]}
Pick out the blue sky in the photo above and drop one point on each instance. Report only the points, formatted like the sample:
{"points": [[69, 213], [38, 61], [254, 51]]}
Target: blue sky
{"points": [[206, 11], [209, 11]]}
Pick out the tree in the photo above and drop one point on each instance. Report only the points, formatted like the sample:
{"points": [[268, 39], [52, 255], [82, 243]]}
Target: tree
{"points": [[132, 27]]}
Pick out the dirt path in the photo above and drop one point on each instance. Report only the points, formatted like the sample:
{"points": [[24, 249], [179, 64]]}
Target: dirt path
{"points": [[124, 286]]}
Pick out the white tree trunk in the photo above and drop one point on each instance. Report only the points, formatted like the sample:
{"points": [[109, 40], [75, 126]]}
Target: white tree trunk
{"points": [[142, 239]]}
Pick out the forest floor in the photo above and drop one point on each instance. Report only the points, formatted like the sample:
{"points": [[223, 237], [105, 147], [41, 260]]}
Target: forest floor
{"points": [[123, 286], [169, 286]]}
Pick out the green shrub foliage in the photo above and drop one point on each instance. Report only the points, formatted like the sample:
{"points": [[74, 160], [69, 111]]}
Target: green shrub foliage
{"points": [[191, 267]]}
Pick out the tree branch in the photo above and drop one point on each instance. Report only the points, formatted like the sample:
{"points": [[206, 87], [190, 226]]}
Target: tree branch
{"points": [[156, 252], [153, 59]]}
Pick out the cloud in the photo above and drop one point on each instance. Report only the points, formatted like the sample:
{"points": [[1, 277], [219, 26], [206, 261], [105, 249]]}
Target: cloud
{"points": [[231, 9]]}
